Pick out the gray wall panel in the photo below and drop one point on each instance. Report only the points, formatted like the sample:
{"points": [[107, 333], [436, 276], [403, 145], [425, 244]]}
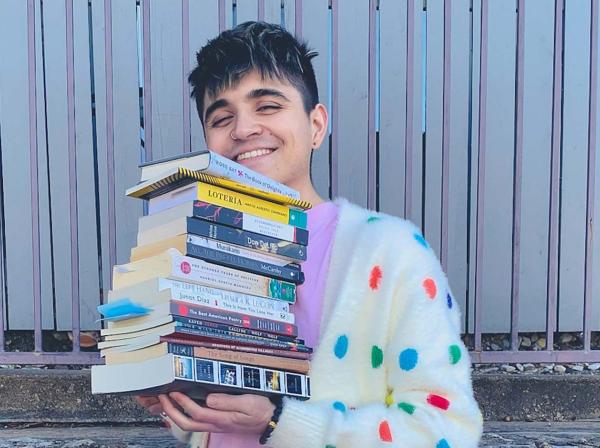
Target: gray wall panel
{"points": [[499, 153], [537, 135], [574, 163], [16, 175]]}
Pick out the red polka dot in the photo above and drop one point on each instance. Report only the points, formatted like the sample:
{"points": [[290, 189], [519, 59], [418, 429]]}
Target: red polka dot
{"points": [[375, 278], [385, 433], [430, 288], [438, 402]]}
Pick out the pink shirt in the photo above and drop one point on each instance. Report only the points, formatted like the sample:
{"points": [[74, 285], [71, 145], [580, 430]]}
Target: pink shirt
{"points": [[322, 220]]}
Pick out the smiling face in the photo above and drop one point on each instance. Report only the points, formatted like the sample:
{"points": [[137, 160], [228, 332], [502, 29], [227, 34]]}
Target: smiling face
{"points": [[262, 124]]}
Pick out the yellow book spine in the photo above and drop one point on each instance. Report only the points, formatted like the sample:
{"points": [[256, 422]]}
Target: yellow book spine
{"points": [[248, 204]]}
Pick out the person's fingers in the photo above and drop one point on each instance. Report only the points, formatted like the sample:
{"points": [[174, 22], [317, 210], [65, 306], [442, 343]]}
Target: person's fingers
{"points": [[200, 413], [146, 401], [231, 403], [182, 420], [155, 409]]}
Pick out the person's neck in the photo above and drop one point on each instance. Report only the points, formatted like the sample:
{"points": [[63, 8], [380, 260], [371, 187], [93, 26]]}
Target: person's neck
{"points": [[308, 193]]}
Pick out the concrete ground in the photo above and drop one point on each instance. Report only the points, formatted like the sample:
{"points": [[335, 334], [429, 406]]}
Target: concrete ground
{"points": [[54, 408], [497, 435]]}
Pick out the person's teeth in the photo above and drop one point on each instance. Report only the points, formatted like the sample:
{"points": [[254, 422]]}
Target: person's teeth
{"points": [[255, 153]]}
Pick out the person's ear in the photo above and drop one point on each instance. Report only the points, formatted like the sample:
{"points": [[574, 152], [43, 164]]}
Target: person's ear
{"points": [[319, 119]]}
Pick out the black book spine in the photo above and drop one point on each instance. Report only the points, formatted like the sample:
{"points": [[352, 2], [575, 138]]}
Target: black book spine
{"points": [[234, 218], [245, 264], [247, 239], [180, 349]]}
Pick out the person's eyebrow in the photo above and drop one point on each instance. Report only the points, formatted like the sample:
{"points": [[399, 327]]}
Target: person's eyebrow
{"points": [[214, 106], [259, 93]]}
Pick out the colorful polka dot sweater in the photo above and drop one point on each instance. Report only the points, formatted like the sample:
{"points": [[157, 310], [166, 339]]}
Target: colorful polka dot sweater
{"points": [[390, 368]]}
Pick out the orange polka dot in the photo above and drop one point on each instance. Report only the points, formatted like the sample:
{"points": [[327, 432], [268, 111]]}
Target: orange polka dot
{"points": [[430, 288]]}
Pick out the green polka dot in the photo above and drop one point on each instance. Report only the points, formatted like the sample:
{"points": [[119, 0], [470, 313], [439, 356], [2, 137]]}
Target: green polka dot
{"points": [[373, 219], [455, 354], [376, 356], [329, 446], [406, 407]]}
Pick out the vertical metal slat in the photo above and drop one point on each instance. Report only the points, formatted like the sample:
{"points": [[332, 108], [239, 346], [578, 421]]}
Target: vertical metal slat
{"points": [[33, 166], [591, 177], [483, 78], [517, 179], [72, 176], [371, 143], [552, 288], [185, 67]]}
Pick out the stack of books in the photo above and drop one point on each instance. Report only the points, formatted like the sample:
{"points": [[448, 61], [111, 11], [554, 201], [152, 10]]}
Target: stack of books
{"points": [[204, 304]]}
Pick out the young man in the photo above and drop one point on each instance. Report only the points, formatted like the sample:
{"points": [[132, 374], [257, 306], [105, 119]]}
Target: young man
{"points": [[389, 367]]}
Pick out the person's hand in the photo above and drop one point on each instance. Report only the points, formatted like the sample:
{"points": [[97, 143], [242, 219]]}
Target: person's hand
{"points": [[151, 403], [223, 412]]}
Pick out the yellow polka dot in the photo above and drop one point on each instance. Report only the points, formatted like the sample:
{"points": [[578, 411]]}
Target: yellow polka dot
{"points": [[389, 399]]}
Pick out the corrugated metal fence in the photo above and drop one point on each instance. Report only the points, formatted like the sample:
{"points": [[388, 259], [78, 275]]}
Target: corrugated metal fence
{"points": [[476, 119]]}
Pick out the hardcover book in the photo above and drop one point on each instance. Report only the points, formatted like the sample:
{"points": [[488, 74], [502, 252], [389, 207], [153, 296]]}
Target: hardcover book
{"points": [[255, 359], [178, 177], [185, 373], [220, 196], [216, 165]]}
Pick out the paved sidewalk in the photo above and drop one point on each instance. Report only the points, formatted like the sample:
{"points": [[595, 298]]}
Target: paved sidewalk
{"points": [[498, 435]]}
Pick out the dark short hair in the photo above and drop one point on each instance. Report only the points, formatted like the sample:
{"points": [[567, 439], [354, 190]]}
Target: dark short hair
{"points": [[264, 47]]}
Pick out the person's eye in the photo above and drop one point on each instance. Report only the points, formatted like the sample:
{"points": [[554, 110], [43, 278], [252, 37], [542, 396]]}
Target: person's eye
{"points": [[220, 121], [269, 108]]}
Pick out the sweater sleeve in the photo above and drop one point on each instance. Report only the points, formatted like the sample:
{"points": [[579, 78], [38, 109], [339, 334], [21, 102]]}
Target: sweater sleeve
{"points": [[429, 401]]}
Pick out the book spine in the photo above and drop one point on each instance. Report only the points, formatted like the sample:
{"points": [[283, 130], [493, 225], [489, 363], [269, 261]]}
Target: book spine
{"points": [[194, 269], [226, 374], [249, 204], [238, 348], [245, 264], [251, 223], [233, 329], [227, 317], [241, 251], [247, 239], [273, 362], [227, 300], [197, 331], [222, 166], [294, 365]]}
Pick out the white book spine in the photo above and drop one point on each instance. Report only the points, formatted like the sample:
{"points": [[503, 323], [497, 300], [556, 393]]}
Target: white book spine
{"points": [[222, 166], [228, 301], [270, 228], [194, 269]]}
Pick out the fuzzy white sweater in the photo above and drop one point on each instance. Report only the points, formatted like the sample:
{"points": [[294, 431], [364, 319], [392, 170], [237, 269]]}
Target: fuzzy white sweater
{"points": [[390, 368]]}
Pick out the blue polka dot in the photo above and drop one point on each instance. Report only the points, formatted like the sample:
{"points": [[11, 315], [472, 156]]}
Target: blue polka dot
{"points": [[341, 346], [442, 444], [449, 301], [408, 359], [421, 240], [339, 406]]}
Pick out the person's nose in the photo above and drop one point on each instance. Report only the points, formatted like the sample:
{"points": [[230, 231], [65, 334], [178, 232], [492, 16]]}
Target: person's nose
{"points": [[246, 126]]}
